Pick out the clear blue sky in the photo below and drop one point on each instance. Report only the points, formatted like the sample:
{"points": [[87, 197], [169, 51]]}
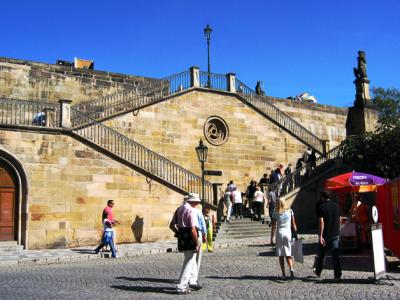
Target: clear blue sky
{"points": [[293, 46]]}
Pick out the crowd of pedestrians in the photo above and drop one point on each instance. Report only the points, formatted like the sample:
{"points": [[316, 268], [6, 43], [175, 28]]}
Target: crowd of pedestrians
{"points": [[194, 228], [194, 233]]}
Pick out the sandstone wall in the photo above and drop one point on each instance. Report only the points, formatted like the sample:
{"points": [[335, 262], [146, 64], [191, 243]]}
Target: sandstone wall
{"points": [[173, 129], [326, 122], [69, 185], [26, 80]]}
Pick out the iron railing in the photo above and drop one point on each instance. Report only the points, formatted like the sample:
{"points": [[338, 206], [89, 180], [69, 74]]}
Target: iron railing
{"points": [[217, 81], [144, 95], [129, 100], [279, 117], [119, 101], [141, 157], [303, 174], [177, 82], [29, 113]]}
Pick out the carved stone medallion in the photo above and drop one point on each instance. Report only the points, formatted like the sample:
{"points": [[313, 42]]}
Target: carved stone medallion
{"points": [[216, 131]]}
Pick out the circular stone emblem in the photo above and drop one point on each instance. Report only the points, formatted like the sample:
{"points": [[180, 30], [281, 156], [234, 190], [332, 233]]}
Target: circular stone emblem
{"points": [[216, 131]]}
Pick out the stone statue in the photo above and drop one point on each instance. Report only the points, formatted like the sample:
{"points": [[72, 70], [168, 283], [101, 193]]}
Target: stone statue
{"points": [[259, 89], [361, 71], [362, 83]]}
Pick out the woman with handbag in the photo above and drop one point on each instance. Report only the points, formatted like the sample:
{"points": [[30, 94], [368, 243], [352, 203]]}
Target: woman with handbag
{"points": [[284, 222]]}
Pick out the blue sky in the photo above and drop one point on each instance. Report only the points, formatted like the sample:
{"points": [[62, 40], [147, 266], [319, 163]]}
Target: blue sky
{"points": [[293, 46]]}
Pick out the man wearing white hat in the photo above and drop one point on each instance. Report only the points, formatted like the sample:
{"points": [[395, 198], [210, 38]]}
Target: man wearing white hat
{"points": [[185, 224]]}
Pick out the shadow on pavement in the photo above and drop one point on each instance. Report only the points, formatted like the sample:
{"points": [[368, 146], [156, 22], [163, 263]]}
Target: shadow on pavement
{"points": [[347, 281], [148, 279], [248, 277], [85, 251], [308, 249], [145, 289]]}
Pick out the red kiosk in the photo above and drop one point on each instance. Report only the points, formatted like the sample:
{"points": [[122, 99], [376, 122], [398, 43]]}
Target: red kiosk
{"points": [[356, 192], [388, 203]]}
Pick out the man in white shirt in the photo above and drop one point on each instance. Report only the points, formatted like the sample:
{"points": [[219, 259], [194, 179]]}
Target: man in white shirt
{"points": [[238, 202], [259, 202]]}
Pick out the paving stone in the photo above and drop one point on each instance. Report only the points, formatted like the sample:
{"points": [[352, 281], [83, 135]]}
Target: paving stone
{"points": [[244, 272]]}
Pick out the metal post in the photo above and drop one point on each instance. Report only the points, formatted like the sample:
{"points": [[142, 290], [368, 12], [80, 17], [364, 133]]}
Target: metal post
{"points": [[209, 66], [207, 33], [202, 185]]}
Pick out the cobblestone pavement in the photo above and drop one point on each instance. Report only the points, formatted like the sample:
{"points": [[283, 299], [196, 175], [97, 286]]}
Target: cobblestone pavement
{"points": [[247, 272]]}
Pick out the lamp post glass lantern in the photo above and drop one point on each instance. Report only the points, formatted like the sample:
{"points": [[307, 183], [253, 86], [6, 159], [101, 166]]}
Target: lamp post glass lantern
{"points": [[202, 152], [207, 33]]}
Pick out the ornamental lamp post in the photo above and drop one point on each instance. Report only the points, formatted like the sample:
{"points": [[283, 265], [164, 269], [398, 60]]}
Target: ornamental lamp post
{"points": [[207, 33], [202, 151]]}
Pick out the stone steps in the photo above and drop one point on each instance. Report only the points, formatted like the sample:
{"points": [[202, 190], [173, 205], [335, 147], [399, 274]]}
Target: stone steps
{"points": [[239, 229], [10, 246]]}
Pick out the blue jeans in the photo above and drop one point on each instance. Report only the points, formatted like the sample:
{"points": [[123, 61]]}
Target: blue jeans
{"points": [[112, 247], [332, 245]]}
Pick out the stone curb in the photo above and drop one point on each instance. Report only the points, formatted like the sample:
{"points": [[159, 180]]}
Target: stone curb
{"points": [[47, 259]]}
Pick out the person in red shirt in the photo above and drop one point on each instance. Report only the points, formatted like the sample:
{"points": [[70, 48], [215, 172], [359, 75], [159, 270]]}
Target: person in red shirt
{"points": [[108, 215], [107, 212]]}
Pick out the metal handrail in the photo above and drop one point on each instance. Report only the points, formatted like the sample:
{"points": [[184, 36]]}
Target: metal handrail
{"points": [[298, 177], [129, 100], [140, 156], [279, 116], [177, 82], [126, 104], [116, 97], [29, 113], [217, 81]]}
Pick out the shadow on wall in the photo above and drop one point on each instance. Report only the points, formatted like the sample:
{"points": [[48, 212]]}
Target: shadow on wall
{"points": [[137, 228]]}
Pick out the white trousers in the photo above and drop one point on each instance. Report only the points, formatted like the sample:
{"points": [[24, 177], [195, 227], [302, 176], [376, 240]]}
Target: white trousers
{"points": [[190, 269], [189, 263], [229, 212], [194, 274]]}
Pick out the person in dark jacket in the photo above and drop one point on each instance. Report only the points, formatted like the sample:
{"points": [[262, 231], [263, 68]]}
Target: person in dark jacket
{"points": [[263, 181], [251, 189], [328, 232]]}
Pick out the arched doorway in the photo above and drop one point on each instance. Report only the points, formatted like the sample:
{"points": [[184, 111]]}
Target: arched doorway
{"points": [[13, 199], [8, 204]]}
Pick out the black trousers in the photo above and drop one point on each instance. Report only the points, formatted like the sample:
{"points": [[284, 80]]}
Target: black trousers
{"points": [[333, 246], [239, 209], [258, 208]]}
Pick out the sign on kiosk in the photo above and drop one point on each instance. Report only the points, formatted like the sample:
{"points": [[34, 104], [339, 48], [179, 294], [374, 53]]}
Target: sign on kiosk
{"points": [[378, 252]]}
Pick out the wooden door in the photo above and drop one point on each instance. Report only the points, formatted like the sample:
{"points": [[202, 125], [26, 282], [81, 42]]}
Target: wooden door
{"points": [[7, 213]]}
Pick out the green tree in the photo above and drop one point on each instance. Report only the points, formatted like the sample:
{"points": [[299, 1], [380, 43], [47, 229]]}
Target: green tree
{"points": [[387, 103], [378, 152]]}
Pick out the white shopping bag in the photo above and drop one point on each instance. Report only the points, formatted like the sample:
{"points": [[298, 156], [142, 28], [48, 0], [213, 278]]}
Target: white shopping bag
{"points": [[297, 250]]}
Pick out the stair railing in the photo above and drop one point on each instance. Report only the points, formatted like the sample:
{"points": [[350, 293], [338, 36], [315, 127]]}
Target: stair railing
{"points": [[29, 113], [279, 117], [303, 174], [129, 100], [147, 94], [145, 160]]}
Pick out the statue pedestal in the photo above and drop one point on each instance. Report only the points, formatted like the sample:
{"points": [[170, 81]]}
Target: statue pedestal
{"points": [[361, 120]]}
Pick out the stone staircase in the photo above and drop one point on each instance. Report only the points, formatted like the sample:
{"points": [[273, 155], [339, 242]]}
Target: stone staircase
{"points": [[127, 101], [139, 158], [242, 229]]}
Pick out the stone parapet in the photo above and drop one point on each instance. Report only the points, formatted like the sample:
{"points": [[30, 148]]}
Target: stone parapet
{"points": [[21, 79]]}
